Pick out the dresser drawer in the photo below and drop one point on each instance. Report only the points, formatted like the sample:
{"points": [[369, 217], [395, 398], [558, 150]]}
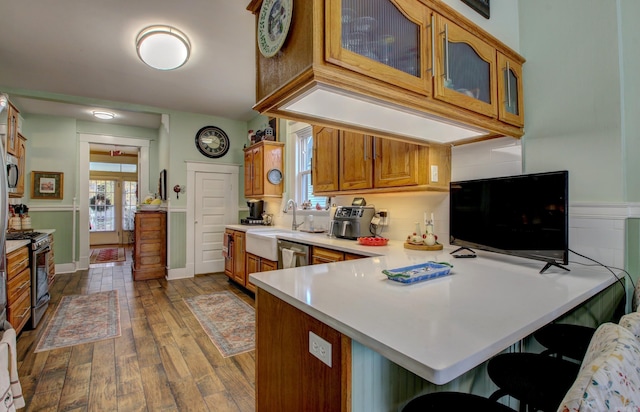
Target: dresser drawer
{"points": [[17, 261], [17, 285], [20, 311]]}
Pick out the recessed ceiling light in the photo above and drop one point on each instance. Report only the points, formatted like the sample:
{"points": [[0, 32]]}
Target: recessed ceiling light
{"points": [[103, 115], [163, 47]]}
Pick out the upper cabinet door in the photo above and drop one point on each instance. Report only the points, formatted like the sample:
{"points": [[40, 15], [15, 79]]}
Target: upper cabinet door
{"points": [[510, 91], [324, 163], [465, 69], [356, 161], [389, 40], [396, 163]]}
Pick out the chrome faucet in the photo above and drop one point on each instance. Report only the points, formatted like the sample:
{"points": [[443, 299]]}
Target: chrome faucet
{"points": [[292, 204]]}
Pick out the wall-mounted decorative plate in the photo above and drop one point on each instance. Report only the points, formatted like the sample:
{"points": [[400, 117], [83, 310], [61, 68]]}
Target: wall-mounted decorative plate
{"points": [[273, 25], [274, 176]]}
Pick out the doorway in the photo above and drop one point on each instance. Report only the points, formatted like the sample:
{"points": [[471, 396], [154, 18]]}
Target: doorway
{"points": [[85, 141], [112, 204]]}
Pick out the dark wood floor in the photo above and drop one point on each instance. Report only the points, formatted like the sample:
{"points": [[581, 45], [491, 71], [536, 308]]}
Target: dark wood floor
{"points": [[163, 361]]}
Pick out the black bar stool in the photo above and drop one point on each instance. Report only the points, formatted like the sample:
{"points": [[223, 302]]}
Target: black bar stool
{"points": [[453, 401]]}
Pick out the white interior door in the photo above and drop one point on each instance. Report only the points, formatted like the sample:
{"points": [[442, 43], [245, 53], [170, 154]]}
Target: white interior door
{"points": [[211, 212]]}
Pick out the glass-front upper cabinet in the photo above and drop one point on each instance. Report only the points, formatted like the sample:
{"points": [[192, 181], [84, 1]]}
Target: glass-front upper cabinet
{"points": [[510, 91], [465, 69], [389, 40]]}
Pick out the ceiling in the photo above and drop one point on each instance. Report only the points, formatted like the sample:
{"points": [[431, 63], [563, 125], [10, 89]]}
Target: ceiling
{"points": [[81, 55]]}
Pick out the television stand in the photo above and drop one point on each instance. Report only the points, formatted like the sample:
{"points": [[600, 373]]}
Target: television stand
{"points": [[462, 248], [549, 264]]}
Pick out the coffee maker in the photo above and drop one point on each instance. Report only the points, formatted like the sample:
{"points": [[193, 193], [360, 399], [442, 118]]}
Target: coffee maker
{"points": [[256, 208]]}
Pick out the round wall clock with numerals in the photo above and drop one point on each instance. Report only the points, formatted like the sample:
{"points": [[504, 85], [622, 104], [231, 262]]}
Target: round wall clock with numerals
{"points": [[212, 141]]}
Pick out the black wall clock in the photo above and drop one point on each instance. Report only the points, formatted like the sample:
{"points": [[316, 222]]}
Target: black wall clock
{"points": [[212, 141]]}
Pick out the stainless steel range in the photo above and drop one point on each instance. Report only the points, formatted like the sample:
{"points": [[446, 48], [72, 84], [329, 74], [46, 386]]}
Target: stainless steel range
{"points": [[39, 259]]}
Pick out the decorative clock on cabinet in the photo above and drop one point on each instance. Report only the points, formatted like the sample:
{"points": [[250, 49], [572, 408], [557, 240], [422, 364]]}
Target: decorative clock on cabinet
{"points": [[212, 141]]}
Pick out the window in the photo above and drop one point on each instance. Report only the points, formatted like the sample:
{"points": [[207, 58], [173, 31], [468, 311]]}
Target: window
{"points": [[304, 186], [129, 202], [101, 202], [113, 167]]}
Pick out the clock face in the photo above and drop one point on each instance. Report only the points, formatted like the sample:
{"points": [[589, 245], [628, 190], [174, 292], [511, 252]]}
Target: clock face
{"points": [[212, 142]]}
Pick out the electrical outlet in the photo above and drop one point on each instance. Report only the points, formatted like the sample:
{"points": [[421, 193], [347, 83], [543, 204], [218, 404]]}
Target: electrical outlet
{"points": [[384, 217], [375, 220], [434, 173], [320, 348]]}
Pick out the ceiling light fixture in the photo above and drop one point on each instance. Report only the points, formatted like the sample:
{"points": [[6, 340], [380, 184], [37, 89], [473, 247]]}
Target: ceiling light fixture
{"points": [[163, 47], [103, 115]]}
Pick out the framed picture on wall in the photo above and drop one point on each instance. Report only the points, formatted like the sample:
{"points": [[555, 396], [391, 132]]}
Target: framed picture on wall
{"points": [[47, 185], [481, 6]]}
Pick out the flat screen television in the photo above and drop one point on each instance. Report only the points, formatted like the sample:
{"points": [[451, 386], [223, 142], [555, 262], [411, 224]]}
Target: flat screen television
{"points": [[525, 215]]}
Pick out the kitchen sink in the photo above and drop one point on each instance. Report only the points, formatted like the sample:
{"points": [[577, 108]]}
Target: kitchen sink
{"points": [[263, 243]]}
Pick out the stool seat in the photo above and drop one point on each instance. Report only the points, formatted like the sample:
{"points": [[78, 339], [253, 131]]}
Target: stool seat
{"points": [[453, 401], [564, 339], [535, 380]]}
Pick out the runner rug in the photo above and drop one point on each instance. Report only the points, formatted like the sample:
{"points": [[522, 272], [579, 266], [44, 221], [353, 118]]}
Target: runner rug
{"points": [[227, 320], [106, 255], [82, 319]]}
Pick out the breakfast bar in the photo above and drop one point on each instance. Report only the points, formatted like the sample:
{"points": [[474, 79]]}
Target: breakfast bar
{"points": [[439, 329]]}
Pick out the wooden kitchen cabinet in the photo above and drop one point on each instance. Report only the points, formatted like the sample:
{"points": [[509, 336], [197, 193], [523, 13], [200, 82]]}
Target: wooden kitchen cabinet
{"points": [[239, 273], [324, 255], [149, 245], [259, 160], [235, 263], [465, 69], [21, 155], [288, 377], [255, 264], [367, 164], [12, 142], [510, 99], [417, 56], [388, 41], [18, 288], [227, 245], [324, 160], [356, 161]]}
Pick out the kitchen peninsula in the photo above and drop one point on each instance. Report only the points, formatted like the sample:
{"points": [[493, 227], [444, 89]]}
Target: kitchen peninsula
{"points": [[440, 331]]}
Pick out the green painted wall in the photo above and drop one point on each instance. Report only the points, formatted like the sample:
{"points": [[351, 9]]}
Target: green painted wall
{"points": [[62, 223], [178, 241], [572, 95]]}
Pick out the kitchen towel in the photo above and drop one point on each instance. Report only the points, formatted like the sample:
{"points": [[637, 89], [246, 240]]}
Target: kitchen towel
{"points": [[288, 258], [10, 387]]}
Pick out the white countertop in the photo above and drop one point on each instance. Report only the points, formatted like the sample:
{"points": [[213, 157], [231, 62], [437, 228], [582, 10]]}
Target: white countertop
{"points": [[441, 328], [16, 244]]}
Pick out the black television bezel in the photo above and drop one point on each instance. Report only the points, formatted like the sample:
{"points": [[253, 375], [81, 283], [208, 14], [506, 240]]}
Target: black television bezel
{"points": [[515, 252]]}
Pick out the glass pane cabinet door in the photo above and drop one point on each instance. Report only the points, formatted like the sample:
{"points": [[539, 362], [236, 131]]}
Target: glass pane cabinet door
{"points": [[510, 91], [464, 69], [389, 40]]}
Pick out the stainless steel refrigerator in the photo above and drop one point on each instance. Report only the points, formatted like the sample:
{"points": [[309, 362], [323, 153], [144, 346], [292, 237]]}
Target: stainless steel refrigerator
{"points": [[4, 207]]}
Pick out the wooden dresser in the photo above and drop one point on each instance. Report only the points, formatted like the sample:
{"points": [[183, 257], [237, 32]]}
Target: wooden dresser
{"points": [[18, 288], [150, 245]]}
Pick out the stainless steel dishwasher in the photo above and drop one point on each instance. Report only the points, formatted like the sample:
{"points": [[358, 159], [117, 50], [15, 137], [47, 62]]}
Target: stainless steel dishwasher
{"points": [[293, 254]]}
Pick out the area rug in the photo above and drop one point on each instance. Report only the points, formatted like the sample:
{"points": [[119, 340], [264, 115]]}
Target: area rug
{"points": [[106, 255], [227, 320], [82, 319]]}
